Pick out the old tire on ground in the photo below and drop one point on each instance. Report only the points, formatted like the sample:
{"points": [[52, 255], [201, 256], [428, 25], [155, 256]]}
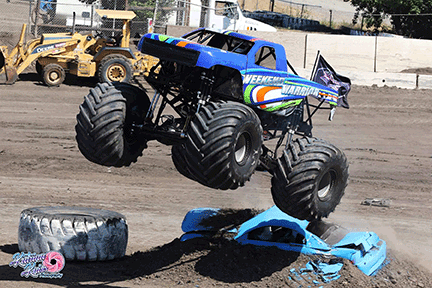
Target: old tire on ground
{"points": [[223, 145], [317, 174], [78, 233], [53, 75], [115, 68], [104, 124]]}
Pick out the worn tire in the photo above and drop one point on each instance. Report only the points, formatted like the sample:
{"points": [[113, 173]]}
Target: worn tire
{"points": [[223, 145], [310, 180], [78, 233], [53, 75], [115, 68], [103, 129]]}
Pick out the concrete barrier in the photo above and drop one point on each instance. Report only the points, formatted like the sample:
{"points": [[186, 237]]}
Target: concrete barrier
{"points": [[343, 52], [400, 80], [424, 81], [398, 54]]}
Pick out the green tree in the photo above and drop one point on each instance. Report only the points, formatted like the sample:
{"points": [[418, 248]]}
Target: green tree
{"points": [[148, 7], [406, 16]]}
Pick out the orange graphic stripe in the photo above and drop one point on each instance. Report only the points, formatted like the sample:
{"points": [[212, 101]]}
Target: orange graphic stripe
{"points": [[262, 92], [182, 43], [328, 95]]}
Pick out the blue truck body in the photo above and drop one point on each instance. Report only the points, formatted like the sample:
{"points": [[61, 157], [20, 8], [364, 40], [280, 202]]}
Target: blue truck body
{"points": [[265, 88]]}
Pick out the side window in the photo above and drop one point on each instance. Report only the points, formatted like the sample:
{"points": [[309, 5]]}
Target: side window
{"points": [[266, 57], [220, 8], [226, 9]]}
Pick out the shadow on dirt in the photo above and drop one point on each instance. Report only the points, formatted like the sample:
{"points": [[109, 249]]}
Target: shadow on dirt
{"points": [[220, 259], [71, 80]]}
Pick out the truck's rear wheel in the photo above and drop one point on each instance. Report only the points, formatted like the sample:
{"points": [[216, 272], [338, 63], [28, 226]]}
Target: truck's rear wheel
{"points": [[104, 124], [310, 180], [223, 146], [115, 68], [53, 75]]}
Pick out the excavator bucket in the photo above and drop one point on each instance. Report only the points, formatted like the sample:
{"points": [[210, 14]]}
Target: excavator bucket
{"points": [[8, 75]]}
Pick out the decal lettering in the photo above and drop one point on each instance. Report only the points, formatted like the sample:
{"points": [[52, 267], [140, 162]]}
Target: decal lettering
{"points": [[299, 90], [251, 79], [48, 47]]}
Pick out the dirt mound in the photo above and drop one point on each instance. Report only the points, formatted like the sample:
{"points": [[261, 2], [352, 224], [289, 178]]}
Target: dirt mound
{"points": [[422, 71], [221, 262]]}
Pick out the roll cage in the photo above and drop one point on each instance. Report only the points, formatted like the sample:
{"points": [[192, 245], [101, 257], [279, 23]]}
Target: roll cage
{"points": [[221, 41]]}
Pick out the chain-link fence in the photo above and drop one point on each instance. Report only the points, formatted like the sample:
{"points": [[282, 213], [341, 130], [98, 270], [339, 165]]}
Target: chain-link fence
{"points": [[52, 16], [59, 16]]}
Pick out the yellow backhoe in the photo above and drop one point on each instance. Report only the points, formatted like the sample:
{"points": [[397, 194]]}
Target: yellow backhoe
{"points": [[109, 58]]}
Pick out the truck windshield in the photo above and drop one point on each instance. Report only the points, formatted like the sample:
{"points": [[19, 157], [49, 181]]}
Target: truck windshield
{"points": [[221, 41]]}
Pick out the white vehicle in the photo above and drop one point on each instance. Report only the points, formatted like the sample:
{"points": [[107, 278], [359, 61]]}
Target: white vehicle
{"points": [[61, 12], [85, 14], [225, 15]]}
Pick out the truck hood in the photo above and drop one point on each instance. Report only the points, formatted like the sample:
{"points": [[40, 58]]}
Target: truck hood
{"points": [[207, 56]]}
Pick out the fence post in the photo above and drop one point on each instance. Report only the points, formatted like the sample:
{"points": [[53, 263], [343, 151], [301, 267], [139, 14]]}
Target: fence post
{"points": [[91, 16], [331, 14], [29, 20], [376, 51], [305, 51], [154, 15], [37, 17]]}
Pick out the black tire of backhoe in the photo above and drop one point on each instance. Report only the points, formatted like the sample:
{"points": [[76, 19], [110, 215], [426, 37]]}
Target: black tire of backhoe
{"points": [[39, 68], [100, 128], [305, 163], [208, 153], [47, 71], [112, 59]]}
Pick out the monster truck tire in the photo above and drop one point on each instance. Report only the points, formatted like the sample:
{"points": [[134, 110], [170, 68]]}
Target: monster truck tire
{"points": [[115, 68], [178, 156], [78, 233], [310, 180], [223, 146], [103, 129]]}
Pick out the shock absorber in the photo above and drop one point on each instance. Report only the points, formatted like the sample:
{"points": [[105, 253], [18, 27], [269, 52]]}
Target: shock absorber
{"points": [[206, 87]]}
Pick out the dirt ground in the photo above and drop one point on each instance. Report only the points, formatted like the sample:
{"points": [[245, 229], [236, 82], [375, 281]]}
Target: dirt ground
{"points": [[386, 136]]}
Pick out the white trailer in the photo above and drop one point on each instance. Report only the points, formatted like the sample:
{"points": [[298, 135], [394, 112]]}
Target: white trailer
{"points": [[219, 14]]}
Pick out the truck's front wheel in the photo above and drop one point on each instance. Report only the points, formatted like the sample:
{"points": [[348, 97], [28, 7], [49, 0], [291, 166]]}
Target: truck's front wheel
{"points": [[223, 146], [310, 180], [104, 124]]}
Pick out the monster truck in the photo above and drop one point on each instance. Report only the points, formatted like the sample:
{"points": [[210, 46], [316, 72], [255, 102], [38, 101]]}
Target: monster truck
{"points": [[219, 96]]}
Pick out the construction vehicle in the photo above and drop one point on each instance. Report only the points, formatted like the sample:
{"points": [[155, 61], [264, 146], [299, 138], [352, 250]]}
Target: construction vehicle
{"points": [[109, 58]]}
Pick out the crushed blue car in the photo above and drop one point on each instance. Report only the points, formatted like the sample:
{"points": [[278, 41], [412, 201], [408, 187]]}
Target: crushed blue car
{"points": [[275, 228]]}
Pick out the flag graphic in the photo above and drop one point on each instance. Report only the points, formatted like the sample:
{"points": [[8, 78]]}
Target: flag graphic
{"points": [[326, 75]]}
